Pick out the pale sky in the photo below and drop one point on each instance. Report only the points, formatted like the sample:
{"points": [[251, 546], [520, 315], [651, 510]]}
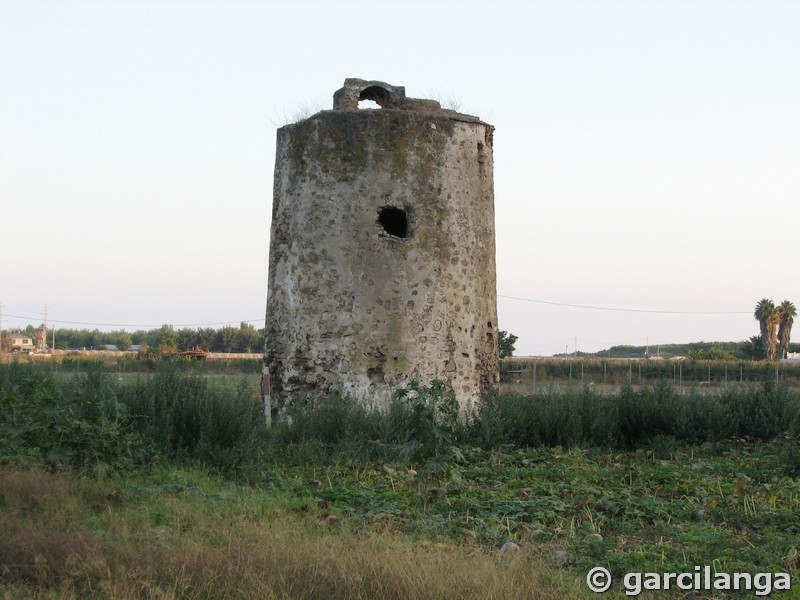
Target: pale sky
{"points": [[647, 154]]}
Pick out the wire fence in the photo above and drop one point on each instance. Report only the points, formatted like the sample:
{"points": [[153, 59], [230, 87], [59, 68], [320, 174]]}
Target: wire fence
{"points": [[529, 375]]}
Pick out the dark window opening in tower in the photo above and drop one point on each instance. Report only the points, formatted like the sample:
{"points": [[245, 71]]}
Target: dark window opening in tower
{"points": [[394, 221]]}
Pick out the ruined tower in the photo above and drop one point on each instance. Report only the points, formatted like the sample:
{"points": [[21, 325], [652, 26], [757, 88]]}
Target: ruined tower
{"points": [[382, 251]]}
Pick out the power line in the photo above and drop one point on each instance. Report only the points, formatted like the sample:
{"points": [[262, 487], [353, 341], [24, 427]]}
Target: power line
{"points": [[533, 300], [634, 310]]}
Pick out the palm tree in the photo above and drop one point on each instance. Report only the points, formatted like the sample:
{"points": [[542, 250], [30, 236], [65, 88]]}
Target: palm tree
{"points": [[787, 312], [774, 321], [754, 347], [768, 318]]}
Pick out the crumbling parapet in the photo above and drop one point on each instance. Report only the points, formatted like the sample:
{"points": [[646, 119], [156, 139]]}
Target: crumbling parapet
{"points": [[382, 251], [383, 94]]}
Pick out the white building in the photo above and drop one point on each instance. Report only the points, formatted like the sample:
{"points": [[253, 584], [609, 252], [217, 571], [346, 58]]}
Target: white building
{"points": [[21, 343]]}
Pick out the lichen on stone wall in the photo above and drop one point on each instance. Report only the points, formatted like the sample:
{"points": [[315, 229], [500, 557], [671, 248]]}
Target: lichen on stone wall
{"points": [[336, 142]]}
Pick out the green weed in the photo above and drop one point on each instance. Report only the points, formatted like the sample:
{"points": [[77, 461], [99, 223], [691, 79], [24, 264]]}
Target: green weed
{"points": [[190, 420], [80, 423]]}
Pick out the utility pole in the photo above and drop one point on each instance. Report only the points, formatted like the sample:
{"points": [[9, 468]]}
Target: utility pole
{"points": [[43, 335]]}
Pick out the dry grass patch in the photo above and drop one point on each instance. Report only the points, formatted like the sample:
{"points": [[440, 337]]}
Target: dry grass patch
{"points": [[73, 538]]}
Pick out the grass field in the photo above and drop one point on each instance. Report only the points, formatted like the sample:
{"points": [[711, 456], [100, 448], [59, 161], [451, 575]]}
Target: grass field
{"points": [[179, 492], [183, 534]]}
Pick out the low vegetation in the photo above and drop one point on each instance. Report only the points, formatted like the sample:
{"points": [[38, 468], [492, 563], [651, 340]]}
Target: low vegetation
{"points": [[170, 486]]}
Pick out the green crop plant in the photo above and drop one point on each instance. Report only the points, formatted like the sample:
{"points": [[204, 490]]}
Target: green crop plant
{"points": [[432, 422]]}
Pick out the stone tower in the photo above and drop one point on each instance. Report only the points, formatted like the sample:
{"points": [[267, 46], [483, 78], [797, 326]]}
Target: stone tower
{"points": [[382, 251]]}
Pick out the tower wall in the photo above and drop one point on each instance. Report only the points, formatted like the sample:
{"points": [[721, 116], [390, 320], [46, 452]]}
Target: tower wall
{"points": [[382, 254]]}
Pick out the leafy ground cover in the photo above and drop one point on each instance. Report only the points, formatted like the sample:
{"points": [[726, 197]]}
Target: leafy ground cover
{"points": [[735, 510]]}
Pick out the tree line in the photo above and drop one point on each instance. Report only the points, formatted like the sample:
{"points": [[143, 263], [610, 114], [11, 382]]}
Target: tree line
{"points": [[164, 340]]}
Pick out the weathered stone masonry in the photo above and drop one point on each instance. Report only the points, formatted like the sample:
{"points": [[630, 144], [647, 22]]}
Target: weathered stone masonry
{"points": [[382, 251]]}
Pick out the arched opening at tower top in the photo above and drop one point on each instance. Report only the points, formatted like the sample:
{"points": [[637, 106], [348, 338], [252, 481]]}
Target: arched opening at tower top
{"points": [[373, 95], [394, 221]]}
